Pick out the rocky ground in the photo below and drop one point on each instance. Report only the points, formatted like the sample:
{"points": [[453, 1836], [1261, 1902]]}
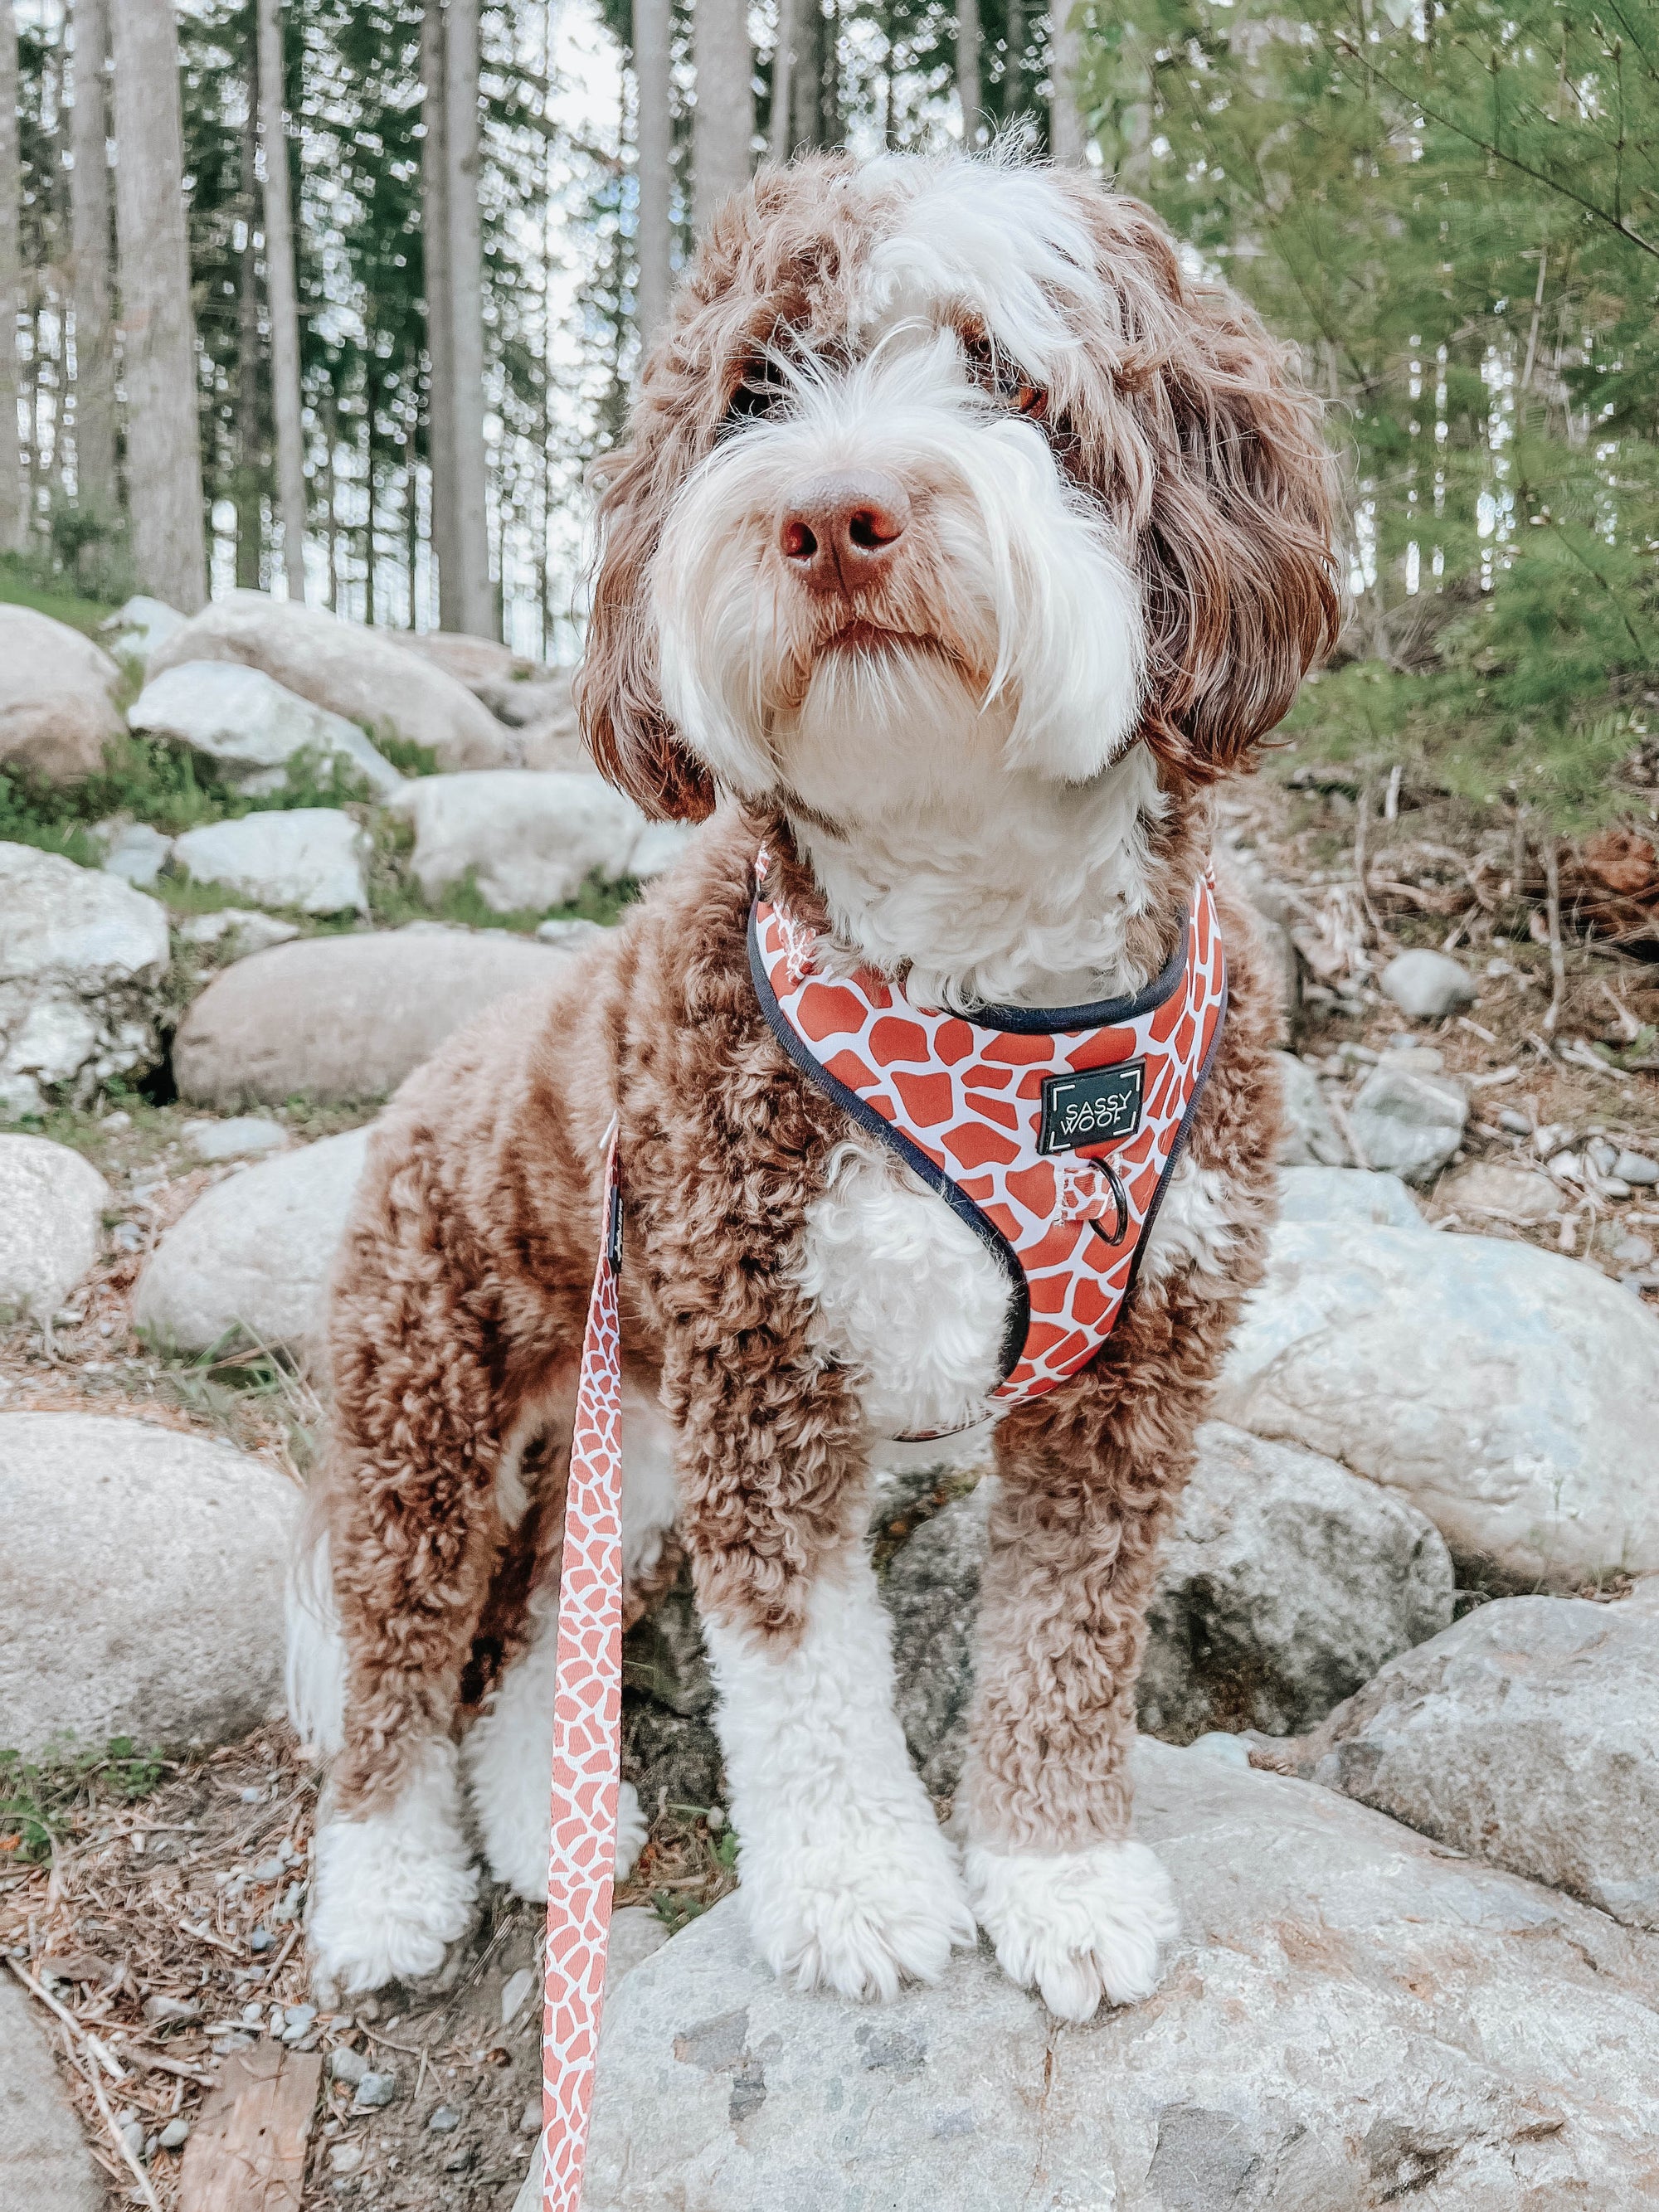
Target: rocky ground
{"points": [[1405, 1654]]}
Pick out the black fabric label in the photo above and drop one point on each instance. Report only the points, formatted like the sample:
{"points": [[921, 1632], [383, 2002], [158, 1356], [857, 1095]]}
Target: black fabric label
{"points": [[1096, 1108]]}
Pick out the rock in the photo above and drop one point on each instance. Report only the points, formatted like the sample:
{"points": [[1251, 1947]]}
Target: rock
{"points": [[529, 839], [1427, 986], [52, 1203], [1284, 965], [252, 728], [83, 959], [663, 1654], [141, 627], [1310, 1135], [570, 936], [133, 852], [236, 931], [309, 857], [342, 1018], [659, 846], [140, 1584], [1637, 1169], [255, 1251], [1409, 1120], [1504, 1391], [444, 2120], [174, 2135], [1351, 2017], [1284, 1584], [44, 2166], [1488, 1187], [1524, 1735], [363, 675], [1314, 1194], [373, 2091], [246, 1137], [347, 2065], [485, 664], [56, 698], [636, 1934], [515, 1993]]}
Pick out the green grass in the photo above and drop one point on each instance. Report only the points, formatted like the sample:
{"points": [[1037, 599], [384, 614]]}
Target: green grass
{"points": [[23, 584], [41, 1800]]}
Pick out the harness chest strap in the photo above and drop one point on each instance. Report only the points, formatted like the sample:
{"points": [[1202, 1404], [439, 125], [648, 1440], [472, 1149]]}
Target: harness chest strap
{"points": [[1051, 1132]]}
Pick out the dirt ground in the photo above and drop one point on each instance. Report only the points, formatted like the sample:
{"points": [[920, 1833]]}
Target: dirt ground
{"points": [[154, 1905]]}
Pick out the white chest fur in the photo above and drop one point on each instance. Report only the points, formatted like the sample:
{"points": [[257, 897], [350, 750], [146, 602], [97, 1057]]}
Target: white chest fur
{"points": [[908, 1300]]}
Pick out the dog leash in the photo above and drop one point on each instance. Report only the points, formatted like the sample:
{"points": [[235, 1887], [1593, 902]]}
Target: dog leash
{"points": [[586, 1731]]}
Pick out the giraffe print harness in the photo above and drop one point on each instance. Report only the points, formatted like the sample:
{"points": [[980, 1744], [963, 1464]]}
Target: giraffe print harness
{"points": [[1051, 1131]]}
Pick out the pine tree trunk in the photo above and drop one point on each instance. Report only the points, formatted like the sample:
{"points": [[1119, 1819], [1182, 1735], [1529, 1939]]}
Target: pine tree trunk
{"points": [[968, 85], [250, 472], [95, 337], [441, 386], [164, 452], [724, 121], [372, 518], [13, 516], [282, 303], [1067, 137], [808, 71], [780, 134], [1013, 79], [653, 156], [477, 605]]}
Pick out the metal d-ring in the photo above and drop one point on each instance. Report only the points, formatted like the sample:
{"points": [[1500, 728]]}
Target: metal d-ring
{"points": [[1119, 1200]]}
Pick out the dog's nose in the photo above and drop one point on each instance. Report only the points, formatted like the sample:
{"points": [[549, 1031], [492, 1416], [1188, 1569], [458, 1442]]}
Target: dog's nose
{"points": [[838, 532]]}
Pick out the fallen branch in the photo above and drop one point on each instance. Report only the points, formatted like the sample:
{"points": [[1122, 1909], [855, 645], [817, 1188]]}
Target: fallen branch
{"points": [[1552, 911]]}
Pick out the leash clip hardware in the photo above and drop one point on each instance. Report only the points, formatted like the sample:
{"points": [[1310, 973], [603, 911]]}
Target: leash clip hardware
{"points": [[613, 1225], [1120, 1200]]}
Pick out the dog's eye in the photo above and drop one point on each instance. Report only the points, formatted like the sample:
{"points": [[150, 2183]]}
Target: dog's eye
{"points": [[1029, 400], [757, 393]]}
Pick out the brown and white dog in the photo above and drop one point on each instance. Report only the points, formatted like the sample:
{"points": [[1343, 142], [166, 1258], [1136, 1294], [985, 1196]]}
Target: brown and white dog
{"points": [[962, 540]]}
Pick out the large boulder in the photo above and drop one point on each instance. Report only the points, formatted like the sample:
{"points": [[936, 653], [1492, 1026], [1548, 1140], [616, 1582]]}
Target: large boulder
{"points": [[252, 728], [83, 960], [528, 840], [342, 1018], [1318, 1194], [52, 1203], [1506, 1391], [57, 697], [309, 857], [253, 1254], [362, 674], [1527, 1734], [44, 2166], [1310, 1135], [1286, 1582], [140, 1584], [1351, 2018], [141, 627]]}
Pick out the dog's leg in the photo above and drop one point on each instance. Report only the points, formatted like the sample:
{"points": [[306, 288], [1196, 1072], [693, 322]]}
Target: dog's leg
{"points": [[1073, 1907]]}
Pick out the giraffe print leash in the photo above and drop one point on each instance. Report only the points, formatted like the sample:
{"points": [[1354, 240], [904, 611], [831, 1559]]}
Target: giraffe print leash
{"points": [[587, 1732]]}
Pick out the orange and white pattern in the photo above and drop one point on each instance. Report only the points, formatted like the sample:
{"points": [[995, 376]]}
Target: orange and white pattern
{"points": [[970, 1098], [586, 1736]]}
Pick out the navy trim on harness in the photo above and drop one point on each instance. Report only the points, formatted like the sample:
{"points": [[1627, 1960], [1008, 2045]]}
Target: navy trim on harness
{"points": [[1044, 1021]]}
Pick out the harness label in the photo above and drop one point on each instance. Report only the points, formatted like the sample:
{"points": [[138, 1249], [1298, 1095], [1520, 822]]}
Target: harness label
{"points": [[1093, 1108]]}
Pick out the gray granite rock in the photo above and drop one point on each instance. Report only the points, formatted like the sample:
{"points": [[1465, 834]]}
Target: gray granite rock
{"points": [[1351, 2017], [1311, 1137], [1316, 1194], [44, 2166], [1427, 986], [52, 1205], [57, 697], [1506, 1391], [140, 628], [83, 962], [140, 1583], [1526, 1733], [1409, 1120], [309, 857], [931, 1591], [252, 728], [134, 851], [528, 839], [244, 1137]]}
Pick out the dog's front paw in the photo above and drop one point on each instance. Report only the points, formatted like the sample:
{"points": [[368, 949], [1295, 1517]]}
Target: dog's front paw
{"points": [[392, 1889], [859, 1911], [1075, 1925]]}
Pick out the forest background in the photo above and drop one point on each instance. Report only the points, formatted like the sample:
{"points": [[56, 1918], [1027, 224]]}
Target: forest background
{"points": [[340, 297]]}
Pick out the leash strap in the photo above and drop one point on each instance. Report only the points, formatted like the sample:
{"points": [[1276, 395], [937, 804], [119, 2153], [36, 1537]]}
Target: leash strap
{"points": [[587, 1732]]}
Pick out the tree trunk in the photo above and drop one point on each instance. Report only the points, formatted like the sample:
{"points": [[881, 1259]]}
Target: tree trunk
{"points": [[808, 73], [1068, 134], [164, 451], [476, 605], [779, 131], [723, 120], [1013, 75], [282, 301], [441, 386], [94, 339], [372, 518], [968, 85], [653, 158], [250, 472], [13, 516]]}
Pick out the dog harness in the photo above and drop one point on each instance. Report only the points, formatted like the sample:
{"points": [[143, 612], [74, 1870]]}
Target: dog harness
{"points": [[1051, 1131]]}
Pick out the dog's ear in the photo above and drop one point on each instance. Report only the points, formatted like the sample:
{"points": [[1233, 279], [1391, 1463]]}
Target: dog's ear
{"points": [[1232, 489], [618, 699]]}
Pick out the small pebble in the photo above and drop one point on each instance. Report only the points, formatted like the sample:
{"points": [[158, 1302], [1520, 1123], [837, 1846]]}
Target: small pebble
{"points": [[444, 2120], [260, 1939], [1636, 1168], [1633, 1251], [530, 2120], [716, 1818], [347, 2065], [158, 2010], [271, 1870], [254, 2015], [345, 2158], [116, 1120], [299, 2016], [515, 1993], [1601, 1156], [174, 2135], [459, 2160], [224, 2044], [1550, 1138], [1515, 1122], [374, 2090], [132, 2135]]}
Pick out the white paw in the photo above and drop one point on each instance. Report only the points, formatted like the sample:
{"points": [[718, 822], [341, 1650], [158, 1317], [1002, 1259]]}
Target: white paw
{"points": [[870, 1906], [393, 1889], [1075, 1925]]}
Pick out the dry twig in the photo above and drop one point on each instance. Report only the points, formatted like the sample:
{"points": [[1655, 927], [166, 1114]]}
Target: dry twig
{"points": [[1552, 911]]}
